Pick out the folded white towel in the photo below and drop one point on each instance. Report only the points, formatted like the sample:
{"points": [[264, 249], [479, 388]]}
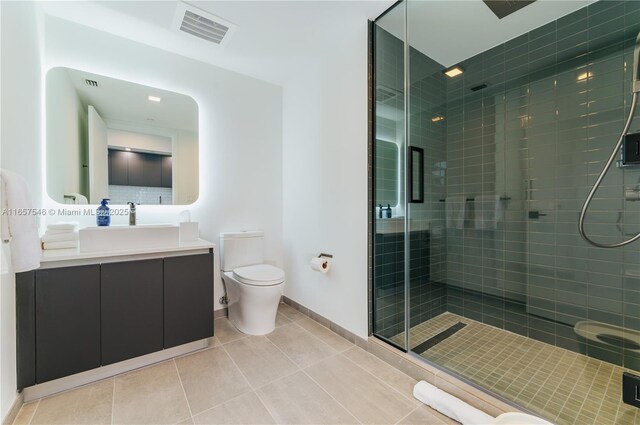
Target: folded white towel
{"points": [[59, 237], [23, 229], [71, 226], [488, 211], [60, 245], [449, 405], [455, 211]]}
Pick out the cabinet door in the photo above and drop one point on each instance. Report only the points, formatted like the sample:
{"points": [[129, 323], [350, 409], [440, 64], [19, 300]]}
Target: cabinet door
{"points": [[152, 170], [167, 177], [67, 321], [131, 309], [26, 329], [135, 169], [118, 167], [188, 299]]}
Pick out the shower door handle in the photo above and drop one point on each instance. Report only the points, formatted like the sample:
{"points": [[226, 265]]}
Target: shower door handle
{"points": [[416, 160]]}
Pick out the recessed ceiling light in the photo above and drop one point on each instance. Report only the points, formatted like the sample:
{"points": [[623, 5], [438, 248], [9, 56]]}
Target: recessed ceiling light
{"points": [[454, 71], [584, 76], [155, 98], [127, 149], [437, 118]]}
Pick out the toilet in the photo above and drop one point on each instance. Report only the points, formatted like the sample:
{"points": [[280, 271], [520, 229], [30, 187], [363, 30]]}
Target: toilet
{"points": [[253, 288]]}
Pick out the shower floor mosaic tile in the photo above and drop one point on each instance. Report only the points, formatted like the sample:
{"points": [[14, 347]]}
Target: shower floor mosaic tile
{"points": [[564, 387]]}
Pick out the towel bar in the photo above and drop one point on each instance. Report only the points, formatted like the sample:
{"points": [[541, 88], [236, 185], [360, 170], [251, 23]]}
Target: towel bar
{"points": [[502, 198]]}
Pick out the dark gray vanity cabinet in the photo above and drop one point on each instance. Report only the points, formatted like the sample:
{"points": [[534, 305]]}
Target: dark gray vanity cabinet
{"points": [[67, 326], [188, 299], [72, 319], [131, 309]]}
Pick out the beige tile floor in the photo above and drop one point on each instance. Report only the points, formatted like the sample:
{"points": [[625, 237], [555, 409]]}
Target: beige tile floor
{"points": [[564, 387], [302, 373]]}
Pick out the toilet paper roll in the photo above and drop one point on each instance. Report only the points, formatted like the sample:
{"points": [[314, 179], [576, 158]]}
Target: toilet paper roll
{"points": [[320, 264]]}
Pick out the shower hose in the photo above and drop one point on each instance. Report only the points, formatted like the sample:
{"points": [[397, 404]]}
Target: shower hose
{"points": [[603, 173]]}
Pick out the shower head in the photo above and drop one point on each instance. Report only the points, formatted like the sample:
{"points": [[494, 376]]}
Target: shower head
{"points": [[636, 66]]}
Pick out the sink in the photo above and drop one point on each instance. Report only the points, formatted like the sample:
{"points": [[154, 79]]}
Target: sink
{"points": [[128, 238]]}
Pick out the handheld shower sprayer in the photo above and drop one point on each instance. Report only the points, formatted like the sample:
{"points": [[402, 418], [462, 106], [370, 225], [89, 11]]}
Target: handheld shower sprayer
{"points": [[635, 88], [636, 66]]}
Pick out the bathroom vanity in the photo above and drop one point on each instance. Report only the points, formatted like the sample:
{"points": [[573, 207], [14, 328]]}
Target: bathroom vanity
{"points": [[85, 316]]}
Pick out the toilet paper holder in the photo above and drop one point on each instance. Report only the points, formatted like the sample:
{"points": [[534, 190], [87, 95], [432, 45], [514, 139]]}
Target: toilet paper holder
{"points": [[323, 255]]}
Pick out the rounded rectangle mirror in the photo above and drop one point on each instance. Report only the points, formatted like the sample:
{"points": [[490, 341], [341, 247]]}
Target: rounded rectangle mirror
{"points": [[109, 138]]}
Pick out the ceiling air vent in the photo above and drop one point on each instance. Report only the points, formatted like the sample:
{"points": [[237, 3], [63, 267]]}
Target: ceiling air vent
{"points": [[92, 83], [198, 23]]}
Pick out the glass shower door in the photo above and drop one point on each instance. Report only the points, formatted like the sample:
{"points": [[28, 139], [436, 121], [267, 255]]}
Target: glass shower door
{"points": [[389, 151]]}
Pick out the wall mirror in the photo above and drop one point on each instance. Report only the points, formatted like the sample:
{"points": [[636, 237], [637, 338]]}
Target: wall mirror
{"points": [[108, 138]]}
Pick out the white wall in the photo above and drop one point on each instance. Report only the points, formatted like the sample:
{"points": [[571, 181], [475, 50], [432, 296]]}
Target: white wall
{"points": [[67, 125], [137, 141], [240, 131], [185, 168], [20, 151], [325, 179]]}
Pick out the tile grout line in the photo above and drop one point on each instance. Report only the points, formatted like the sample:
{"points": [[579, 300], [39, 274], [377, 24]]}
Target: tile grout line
{"points": [[249, 384], [329, 329], [315, 382], [407, 415], [380, 380], [184, 392], [33, 415], [113, 400], [319, 339]]}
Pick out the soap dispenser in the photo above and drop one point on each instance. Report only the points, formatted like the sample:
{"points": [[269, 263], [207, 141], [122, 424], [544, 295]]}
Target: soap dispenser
{"points": [[103, 215]]}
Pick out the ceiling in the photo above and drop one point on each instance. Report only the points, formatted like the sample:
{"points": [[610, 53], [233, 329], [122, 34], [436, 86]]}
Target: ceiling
{"points": [[271, 38], [128, 102], [454, 30]]}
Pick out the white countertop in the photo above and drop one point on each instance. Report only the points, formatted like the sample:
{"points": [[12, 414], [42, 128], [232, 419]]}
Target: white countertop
{"points": [[73, 254]]}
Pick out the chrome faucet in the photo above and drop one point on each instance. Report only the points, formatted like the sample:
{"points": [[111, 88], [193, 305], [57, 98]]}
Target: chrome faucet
{"points": [[132, 213]]}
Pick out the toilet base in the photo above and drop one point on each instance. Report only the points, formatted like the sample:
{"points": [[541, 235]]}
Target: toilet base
{"points": [[252, 309]]}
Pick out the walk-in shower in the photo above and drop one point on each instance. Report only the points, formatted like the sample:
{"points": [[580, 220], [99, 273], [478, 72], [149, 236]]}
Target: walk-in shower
{"points": [[481, 269]]}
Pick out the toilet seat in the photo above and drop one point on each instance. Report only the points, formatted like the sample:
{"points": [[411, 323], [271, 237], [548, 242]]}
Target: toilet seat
{"points": [[259, 275]]}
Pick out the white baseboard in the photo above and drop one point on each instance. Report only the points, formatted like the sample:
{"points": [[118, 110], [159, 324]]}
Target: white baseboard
{"points": [[14, 410], [93, 375]]}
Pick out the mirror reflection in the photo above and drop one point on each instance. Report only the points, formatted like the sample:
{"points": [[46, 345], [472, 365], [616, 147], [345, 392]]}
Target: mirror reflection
{"points": [[108, 138], [387, 163]]}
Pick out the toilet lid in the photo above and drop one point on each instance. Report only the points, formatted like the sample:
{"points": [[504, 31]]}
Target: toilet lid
{"points": [[259, 275]]}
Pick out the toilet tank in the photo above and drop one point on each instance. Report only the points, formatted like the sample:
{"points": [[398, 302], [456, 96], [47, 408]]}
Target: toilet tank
{"points": [[238, 249]]}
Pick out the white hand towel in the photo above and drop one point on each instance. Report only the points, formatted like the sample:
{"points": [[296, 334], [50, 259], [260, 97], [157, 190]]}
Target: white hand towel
{"points": [[60, 245], [59, 237], [4, 218], [23, 229], [449, 405], [488, 212], [455, 211], [71, 226]]}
